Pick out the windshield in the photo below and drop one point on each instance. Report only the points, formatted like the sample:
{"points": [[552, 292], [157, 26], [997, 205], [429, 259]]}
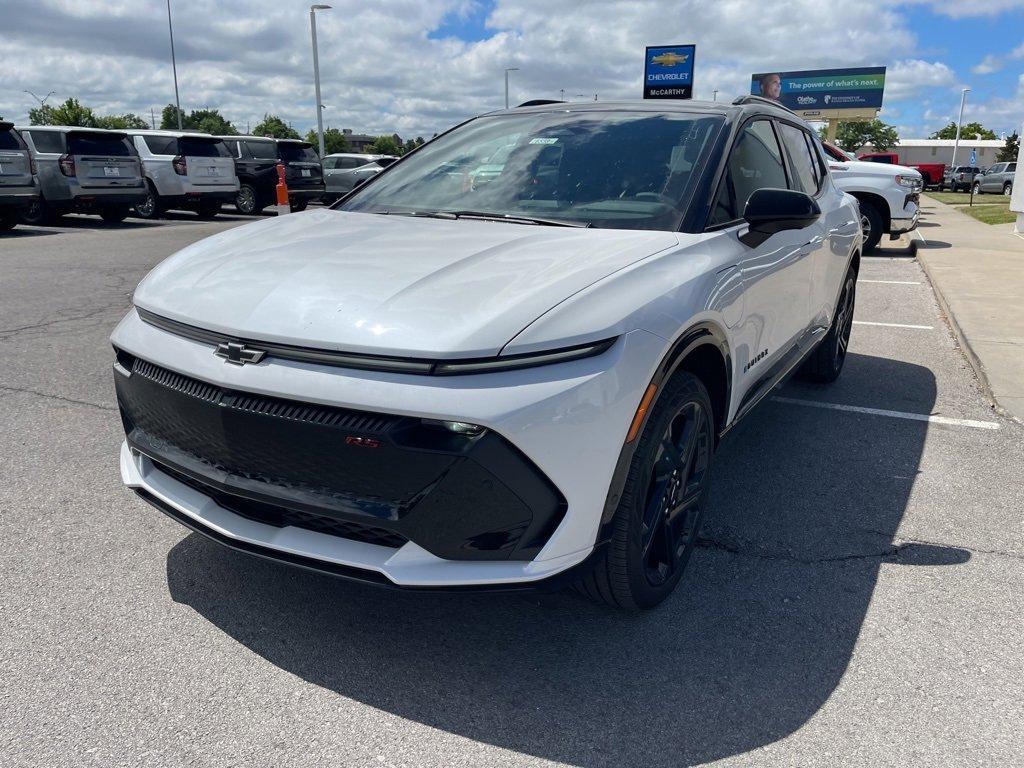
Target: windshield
{"points": [[298, 153], [616, 170]]}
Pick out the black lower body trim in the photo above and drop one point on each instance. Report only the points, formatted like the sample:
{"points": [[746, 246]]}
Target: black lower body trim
{"points": [[362, 575]]}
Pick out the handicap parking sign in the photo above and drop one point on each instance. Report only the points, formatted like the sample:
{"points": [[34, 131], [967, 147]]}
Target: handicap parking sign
{"points": [[974, 157]]}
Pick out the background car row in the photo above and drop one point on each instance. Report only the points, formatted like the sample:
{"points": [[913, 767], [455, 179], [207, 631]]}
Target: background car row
{"points": [[48, 171]]}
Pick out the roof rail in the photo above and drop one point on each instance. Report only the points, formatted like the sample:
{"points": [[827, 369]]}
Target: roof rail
{"points": [[539, 103], [752, 99]]}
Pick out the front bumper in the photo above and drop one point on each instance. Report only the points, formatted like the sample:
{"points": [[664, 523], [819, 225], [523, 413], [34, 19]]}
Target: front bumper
{"points": [[908, 218], [567, 422]]}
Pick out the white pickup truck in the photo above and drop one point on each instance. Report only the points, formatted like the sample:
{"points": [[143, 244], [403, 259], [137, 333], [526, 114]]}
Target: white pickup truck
{"points": [[889, 195]]}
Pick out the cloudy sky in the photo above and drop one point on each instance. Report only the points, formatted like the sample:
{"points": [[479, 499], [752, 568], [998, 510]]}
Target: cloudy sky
{"points": [[418, 66]]}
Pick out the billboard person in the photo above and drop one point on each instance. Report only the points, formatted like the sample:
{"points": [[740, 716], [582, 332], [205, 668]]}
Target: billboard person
{"points": [[771, 86]]}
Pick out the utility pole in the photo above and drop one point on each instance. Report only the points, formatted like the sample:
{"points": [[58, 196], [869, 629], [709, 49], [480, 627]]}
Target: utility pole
{"points": [[561, 94], [316, 74], [174, 64], [714, 95], [152, 118], [510, 69], [959, 122]]}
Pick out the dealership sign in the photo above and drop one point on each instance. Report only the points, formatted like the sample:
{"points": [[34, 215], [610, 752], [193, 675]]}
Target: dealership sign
{"points": [[668, 72], [823, 90]]}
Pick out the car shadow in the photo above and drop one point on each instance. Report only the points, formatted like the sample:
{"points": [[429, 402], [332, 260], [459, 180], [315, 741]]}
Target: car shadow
{"points": [[804, 511]]}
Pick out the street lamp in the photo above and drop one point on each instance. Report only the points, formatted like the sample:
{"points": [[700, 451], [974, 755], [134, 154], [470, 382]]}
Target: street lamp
{"points": [[714, 95], [959, 121], [316, 74], [42, 101], [510, 69], [174, 65]]}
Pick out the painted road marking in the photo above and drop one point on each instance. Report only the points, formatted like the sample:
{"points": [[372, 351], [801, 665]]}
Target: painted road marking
{"points": [[892, 282], [894, 325], [891, 414]]}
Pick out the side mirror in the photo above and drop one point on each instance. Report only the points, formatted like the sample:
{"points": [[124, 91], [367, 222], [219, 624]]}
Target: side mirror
{"points": [[776, 210]]}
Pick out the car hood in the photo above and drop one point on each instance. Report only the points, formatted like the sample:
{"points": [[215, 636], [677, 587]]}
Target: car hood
{"points": [[861, 168], [386, 284]]}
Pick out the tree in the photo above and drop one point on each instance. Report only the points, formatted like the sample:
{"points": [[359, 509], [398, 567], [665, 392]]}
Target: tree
{"points": [[204, 120], [968, 130], [334, 141], [121, 122], [68, 113], [386, 145], [275, 127], [853, 135], [1008, 154]]}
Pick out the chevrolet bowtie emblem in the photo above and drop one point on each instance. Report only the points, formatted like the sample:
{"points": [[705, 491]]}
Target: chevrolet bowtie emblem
{"points": [[238, 354]]}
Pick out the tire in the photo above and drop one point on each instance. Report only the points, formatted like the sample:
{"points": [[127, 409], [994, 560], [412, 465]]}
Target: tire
{"points": [[247, 201], [297, 205], [1008, 188], [977, 188], [651, 543], [115, 215], [149, 208], [825, 363], [871, 224], [38, 213], [8, 219], [208, 211]]}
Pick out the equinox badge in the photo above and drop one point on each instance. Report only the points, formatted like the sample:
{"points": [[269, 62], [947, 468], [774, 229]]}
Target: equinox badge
{"points": [[237, 353]]}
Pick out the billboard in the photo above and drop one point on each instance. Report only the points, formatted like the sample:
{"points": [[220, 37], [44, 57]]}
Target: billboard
{"points": [[668, 72], [825, 92]]}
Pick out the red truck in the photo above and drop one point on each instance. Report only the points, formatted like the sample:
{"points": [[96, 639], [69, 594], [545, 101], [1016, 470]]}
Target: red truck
{"points": [[930, 172]]}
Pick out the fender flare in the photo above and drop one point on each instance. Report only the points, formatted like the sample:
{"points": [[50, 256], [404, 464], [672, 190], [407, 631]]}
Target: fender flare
{"points": [[704, 333]]}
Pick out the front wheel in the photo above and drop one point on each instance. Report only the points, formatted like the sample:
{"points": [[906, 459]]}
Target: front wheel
{"points": [[825, 363], [149, 208], [871, 226], [298, 205], [37, 213], [658, 518], [1008, 188], [977, 188], [247, 202]]}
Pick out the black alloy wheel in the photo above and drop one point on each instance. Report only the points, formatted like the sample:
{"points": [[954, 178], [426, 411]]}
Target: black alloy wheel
{"points": [[675, 490], [661, 506], [825, 363], [37, 213], [245, 201]]}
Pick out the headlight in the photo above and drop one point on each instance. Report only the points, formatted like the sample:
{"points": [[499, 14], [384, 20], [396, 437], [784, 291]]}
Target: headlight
{"points": [[908, 181]]}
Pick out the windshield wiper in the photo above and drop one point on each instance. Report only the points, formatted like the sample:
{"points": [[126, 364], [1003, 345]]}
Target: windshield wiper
{"points": [[517, 219], [422, 214]]}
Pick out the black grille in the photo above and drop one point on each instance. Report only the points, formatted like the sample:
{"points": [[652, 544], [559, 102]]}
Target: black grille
{"points": [[281, 517]]}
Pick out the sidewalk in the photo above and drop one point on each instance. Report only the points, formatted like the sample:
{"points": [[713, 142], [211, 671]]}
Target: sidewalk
{"points": [[977, 271]]}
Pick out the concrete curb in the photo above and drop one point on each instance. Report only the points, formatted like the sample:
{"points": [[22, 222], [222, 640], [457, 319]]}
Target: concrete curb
{"points": [[961, 338]]}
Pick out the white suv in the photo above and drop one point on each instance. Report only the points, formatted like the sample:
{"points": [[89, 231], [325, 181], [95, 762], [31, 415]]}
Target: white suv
{"points": [[443, 384], [889, 195]]}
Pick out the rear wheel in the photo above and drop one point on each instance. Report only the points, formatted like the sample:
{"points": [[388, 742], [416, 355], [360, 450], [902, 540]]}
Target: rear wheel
{"points": [[115, 214], [662, 505], [298, 205], [247, 202], [149, 208], [826, 362], [8, 219], [871, 225], [37, 213]]}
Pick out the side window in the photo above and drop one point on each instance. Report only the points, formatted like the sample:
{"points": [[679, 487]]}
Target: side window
{"points": [[47, 141], [1011, 168], [755, 163], [800, 159], [161, 145]]}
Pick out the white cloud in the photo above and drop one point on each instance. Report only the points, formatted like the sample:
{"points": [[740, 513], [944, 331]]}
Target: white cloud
{"points": [[907, 78], [988, 65]]}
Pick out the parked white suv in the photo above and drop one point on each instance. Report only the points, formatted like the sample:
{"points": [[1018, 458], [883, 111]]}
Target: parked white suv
{"points": [[186, 171], [517, 383], [889, 195]]}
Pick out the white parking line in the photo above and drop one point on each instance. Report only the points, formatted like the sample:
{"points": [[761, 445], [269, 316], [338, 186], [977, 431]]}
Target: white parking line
{"points": [[894, 325], [891, 414], [892, 282]]}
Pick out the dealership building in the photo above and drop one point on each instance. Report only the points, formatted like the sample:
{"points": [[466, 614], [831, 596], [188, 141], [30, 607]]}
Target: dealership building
{"points": [[916, 151]]}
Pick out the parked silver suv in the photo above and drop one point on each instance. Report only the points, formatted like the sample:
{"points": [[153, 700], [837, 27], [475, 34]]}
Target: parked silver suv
{"points": [[83, 170], [997, 179], [18, 186], [189, 171], [343, 171]]}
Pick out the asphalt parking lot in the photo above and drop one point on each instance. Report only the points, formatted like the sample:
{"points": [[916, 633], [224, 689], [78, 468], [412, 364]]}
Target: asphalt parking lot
{"points": [[856, 600]]}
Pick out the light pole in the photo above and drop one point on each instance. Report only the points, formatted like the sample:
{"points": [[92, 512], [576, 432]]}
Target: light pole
{"points": [[316, 74], [42, 101], [510, 69], [714, 95], [959, 121], [174, 64]]}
